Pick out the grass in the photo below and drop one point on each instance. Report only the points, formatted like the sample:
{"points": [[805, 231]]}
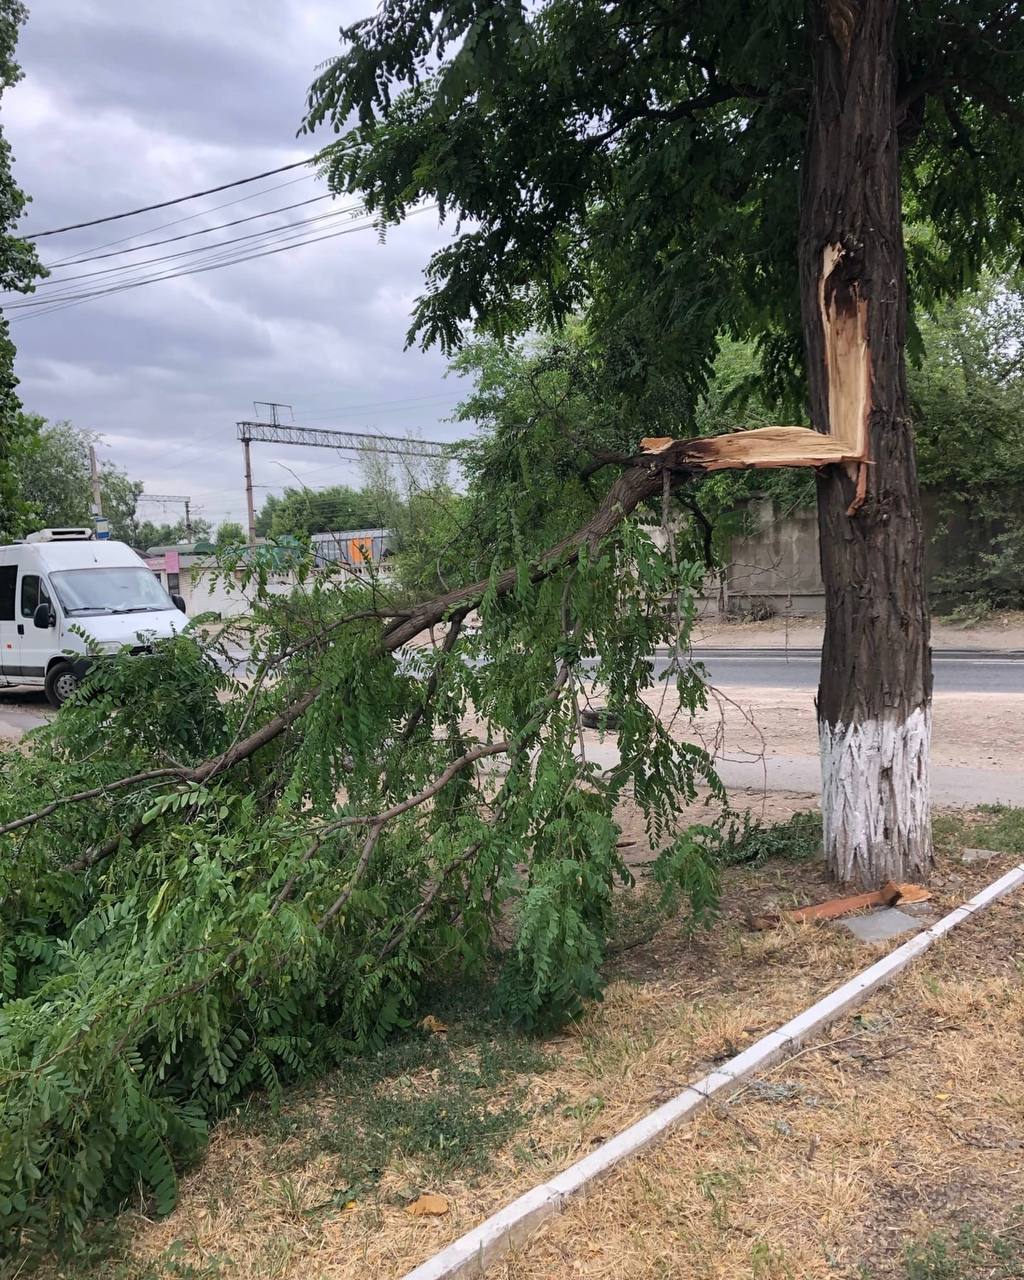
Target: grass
{"points": [[973, 1254], [744, 841], [895, 1126], [428, 1097], [749, 842], [790, 1175], [990, 826], [437, 1101]]}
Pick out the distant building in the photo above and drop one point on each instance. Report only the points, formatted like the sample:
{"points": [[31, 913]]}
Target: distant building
{"points": [[189, 569], [363, 551], [194, 576]]}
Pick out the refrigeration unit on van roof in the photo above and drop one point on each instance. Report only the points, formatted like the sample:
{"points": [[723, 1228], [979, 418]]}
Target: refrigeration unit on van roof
{"points": [[60, 535]]}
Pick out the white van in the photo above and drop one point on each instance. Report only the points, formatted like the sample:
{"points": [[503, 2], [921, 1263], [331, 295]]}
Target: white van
{"points": [[59, 578]]}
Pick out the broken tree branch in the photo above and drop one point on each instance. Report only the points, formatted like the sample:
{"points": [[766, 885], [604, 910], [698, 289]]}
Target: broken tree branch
{"points": [[641, 479]]}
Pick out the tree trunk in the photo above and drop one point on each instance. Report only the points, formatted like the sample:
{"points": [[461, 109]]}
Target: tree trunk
{"points": [[874, 699]]}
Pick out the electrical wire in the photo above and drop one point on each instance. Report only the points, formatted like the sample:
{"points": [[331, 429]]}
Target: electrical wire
{"points": [[189, 217], [222, 252], [165, 204], [380, 404], [216, 255], [46, 306], [201, 249], [185, 235]]}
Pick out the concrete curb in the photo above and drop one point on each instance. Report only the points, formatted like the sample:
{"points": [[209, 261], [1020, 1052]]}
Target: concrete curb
{"points": [[474, 1252], [784, 651]]}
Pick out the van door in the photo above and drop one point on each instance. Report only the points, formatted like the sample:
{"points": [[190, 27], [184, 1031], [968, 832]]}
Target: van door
{"points": [[9, 647], [37, 643]]}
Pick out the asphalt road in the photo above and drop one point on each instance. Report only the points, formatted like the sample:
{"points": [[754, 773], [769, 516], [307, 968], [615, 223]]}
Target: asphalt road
{"points": [[955, 672], [983, 672]]}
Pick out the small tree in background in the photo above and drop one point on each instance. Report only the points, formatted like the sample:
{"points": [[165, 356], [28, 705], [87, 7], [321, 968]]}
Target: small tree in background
{"points": [[230, 534], [51, 474]]}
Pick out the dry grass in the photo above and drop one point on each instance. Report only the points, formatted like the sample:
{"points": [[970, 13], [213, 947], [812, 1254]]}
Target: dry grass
{"points": [[905, 1119], [761, 1188]]}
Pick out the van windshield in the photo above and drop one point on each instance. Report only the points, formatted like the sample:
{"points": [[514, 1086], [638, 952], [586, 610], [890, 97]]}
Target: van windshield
{"points": [[109, 590]]}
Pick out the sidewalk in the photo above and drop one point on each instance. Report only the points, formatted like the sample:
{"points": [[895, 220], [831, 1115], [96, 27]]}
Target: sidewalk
{"points": [[1003, 634], [951, 786]]}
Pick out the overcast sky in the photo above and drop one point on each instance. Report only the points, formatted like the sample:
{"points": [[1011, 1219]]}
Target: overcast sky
{"points": [[128, 102]]}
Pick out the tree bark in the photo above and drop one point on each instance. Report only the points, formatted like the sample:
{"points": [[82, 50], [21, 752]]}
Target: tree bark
{"points": [[874, 698]]}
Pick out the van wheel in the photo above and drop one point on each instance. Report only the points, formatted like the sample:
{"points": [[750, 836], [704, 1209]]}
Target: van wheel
{"points": [[61, 683]]}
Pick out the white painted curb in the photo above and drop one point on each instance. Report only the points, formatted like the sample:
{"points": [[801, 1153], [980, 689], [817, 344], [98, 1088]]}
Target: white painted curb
{"points": [[474, 1252]]}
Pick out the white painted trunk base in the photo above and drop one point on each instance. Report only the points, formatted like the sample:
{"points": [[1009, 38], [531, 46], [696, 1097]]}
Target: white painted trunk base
{"points": [[474, 1252], [874, 798]]}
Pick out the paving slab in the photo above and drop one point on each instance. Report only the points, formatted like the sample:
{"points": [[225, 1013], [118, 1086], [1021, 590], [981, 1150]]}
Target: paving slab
{"points": [[973, 856], [881, 925]]}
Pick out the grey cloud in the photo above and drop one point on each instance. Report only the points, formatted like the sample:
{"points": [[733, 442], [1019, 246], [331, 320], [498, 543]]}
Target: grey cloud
{"points": [[128, 103]]}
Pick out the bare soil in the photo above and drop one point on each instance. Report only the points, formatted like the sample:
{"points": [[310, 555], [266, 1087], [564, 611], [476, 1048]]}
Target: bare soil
{"points": [[977, 730], [1003, 631]]}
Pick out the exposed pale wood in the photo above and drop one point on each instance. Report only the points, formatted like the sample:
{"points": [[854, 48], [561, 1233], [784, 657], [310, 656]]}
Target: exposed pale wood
{"points": [[847, 368], [844, 322], [763, 447]]}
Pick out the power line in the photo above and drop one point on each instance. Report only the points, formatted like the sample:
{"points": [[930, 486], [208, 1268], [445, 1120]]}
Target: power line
{"points": [[189, 217], [218, 254], [185, 235], [164, 204], [59, 302], [200, 249], [46, 306], [380, 404]]}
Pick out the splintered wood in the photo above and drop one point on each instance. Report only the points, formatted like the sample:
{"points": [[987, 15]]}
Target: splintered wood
{"points": [[848, 360], [889, 894], [761, 447]]}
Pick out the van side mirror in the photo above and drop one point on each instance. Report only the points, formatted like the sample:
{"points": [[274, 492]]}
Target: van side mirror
{"points": [[44, 616], [178, 602]]}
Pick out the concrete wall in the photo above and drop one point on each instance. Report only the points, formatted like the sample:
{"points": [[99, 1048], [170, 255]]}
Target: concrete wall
{"points": [[773, 570], [775, 566]]}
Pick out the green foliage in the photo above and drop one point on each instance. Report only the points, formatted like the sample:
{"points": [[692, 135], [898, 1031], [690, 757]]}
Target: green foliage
{"points": [[968, 398], [642, 163], [967, 394], [416, 503], [53, 479], [998, 827], [19, 267], [369, 1111], [146, 534], [300, 512], [170, 944], [973, 1254], [230, 534], [749, 842]]}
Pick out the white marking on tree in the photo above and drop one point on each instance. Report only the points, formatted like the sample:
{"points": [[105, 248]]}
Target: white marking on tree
{"points": [[874, 797]]}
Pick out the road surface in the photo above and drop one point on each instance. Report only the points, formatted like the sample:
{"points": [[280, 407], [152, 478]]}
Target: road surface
{"points": [[985, 672], [955, 673]]}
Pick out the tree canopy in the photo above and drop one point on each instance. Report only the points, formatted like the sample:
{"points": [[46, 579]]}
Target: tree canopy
{"points": [[212, 881], [641, 161], [229, 534], [300, 512], [52, 479]]}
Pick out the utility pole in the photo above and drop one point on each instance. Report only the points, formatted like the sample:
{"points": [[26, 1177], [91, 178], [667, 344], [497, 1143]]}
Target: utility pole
{"points": [[278, 432], [248, 489], [166, 499], [100, 525]]}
